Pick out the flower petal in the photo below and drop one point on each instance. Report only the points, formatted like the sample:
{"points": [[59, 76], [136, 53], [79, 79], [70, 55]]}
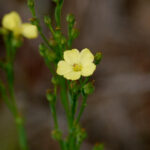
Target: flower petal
{"points": [[88, 69], [29, 31], [86, 56], [72, 75], [72, 56], [63, 68]]}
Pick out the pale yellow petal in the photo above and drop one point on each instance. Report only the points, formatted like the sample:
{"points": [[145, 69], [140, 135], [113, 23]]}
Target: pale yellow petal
{"points": [[88, 69], [72, 56], [11, 21], [29, 31], [72, 75], [63, 68], [86, 56]]}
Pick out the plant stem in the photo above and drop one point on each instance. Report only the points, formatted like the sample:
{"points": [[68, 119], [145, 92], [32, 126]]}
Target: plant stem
{"points": [[64, 98], [83, 105], [10, 53]]}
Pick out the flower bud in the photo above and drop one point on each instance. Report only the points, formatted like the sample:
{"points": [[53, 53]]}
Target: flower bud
{"points": [[74, 33], [57, 134], [16, 42], [55, 80], [52, 42], [88, 88], [97, 58], [57, 34], [3, 31], [50, 96], [47, 20], [98, 147], [70, 18], [80, 134], [75, 88], [51, 56], [42, 49], [63, 40], [55, 1], [30, 3]]}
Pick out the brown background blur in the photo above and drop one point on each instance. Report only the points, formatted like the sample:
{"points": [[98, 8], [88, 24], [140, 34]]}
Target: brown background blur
{"points": [[118, 113]]}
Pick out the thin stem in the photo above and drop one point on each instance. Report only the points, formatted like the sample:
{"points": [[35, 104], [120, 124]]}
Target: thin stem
{"points": [[10, 54], [64, 98], [83, 105], [5, 97], [54, 115], [36, 22]]}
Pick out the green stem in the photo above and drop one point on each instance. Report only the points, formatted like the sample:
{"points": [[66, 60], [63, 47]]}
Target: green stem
{"points": [[54, 115], [18, 118], [36, 22], [83, 105], [5, 97], [10, 54], [21, 133], [64, 99]]}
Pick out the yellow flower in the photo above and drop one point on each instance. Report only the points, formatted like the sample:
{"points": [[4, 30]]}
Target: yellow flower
{"points": [[76, 64], [13, 22]]}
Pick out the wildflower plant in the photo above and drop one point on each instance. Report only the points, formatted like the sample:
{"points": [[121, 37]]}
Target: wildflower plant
{"points": [[13, 31], [71, 70]]}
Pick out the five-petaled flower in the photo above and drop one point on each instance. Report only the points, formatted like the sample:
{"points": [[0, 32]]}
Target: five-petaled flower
{"points": [[76, 64], [13, 22]]}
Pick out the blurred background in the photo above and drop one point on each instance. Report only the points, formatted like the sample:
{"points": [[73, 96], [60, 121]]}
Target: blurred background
{"points": [[118, 113]]}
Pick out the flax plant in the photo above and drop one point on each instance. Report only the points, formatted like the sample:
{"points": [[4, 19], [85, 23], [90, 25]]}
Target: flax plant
{"points": [[71, 70], [12, 31]]}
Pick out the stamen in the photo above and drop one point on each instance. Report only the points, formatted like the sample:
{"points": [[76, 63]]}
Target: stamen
{"points": [[77, 67]]}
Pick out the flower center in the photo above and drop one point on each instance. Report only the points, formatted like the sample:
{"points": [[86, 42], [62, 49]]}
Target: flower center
{"points": [[77, 67]]}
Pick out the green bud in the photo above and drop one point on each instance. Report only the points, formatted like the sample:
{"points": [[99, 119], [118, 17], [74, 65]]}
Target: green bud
{"points": [[55, 80], [3, 31], [19, 120], [74, 33], [16, 42], [30, 3], [51, 55], [80, 134], [55, 1], [88, 88], [47, 20], [98, 58], [57, 134], [75, 88], [50, 96], [98, 147], [57, 34], [42, 49], [63, 40], [70, 18]]}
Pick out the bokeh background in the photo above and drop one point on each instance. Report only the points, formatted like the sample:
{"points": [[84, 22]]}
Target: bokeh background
{"points": [[118, 113]]}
